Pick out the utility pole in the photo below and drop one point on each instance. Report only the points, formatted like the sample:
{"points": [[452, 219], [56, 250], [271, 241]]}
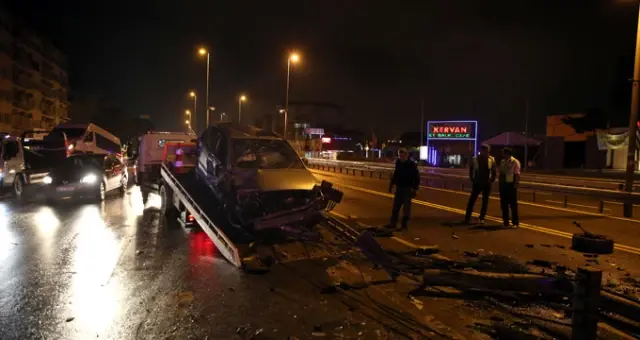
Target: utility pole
{"points": [[526, 133], [421, 121], [633, 121]]}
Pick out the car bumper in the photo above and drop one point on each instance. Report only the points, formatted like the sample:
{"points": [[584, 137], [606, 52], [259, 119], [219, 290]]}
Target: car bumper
{"points": [[71, 190]]}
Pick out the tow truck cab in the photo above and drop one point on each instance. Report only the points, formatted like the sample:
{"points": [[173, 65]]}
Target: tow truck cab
{"points": [[179, 158], [148, 157]]}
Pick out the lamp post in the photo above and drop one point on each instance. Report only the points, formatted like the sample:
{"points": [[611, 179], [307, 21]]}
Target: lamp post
{"points": [[293, 58], [202, 51], [188, 114], [241, 99], [633, 121], [193, 95]]}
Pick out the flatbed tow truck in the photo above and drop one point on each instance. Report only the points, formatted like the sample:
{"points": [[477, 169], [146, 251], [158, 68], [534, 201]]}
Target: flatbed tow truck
{"points": [[185, 199]]}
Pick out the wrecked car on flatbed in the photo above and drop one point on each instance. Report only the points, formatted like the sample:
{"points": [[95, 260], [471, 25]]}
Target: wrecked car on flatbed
{"points": [[260, 179]]}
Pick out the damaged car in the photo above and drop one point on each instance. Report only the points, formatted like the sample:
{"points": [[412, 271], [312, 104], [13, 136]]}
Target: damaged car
{"points": [[260, 179]]}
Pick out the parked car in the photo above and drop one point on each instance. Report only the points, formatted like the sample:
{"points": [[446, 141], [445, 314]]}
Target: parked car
{"points": [[260, 179], [86, 175]]}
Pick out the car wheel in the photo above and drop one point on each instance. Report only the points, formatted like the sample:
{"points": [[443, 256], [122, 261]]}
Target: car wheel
{"points": [[123, 185], [102, 192], [18, 186]]}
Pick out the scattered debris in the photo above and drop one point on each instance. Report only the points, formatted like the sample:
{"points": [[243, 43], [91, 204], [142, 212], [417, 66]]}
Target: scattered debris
{"points": [[470, 254], [416, 302], [546, 245], [139, 252], [69, 319], [561, 246], [529, 245], [455, 237], [542, 263]]}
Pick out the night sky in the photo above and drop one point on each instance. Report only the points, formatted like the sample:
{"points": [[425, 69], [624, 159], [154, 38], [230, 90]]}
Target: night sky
{"points": [[470, 59]]}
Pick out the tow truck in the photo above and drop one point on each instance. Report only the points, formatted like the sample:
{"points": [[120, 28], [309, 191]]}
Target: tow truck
{"points": [[186, 201]]}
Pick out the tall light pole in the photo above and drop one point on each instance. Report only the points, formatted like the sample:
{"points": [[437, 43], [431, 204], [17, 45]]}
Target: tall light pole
{"points": [[633, 121], [241, 99], [193, 95], [202, 51], [293, 58]]}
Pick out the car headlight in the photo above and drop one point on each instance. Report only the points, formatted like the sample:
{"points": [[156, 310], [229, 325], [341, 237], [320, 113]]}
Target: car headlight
{"points": [[89, 179], [47, 180]]}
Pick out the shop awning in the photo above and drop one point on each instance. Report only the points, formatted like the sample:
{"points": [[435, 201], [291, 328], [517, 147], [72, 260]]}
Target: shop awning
{"points": [[511, 139]]}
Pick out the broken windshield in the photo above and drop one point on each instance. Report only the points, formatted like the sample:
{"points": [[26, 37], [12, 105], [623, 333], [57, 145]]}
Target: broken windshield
{"points": [[264, 154]]}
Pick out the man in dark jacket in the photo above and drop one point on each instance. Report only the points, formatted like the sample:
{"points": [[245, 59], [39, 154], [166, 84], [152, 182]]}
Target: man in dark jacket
{"points": [[406, 179], [482, 172]]}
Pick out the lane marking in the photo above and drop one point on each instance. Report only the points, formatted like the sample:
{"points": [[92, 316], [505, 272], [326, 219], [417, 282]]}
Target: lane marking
{"points": [[395, 238], [521, 202], [554, 232]]}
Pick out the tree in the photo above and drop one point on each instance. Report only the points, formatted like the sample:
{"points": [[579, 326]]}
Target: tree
{"points": [[591, 120]]}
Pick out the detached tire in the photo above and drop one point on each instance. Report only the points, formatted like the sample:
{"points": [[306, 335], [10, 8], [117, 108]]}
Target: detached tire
{"points": [[592, 243]]}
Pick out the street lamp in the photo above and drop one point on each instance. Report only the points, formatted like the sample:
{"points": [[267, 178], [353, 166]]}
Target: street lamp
{"points": [[193, 95], [202, 51], [241, 99], [188, 113], [633, 121], [293, 58]]}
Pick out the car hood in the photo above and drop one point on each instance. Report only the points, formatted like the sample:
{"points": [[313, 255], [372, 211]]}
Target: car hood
{"points": [[285, 179]]}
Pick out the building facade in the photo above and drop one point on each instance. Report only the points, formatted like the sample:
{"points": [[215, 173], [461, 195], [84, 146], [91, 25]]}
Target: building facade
{"points": [[33, 80]]}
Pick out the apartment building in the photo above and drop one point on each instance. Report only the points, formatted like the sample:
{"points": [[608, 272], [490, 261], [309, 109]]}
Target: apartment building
{"points": [[33, 79]]}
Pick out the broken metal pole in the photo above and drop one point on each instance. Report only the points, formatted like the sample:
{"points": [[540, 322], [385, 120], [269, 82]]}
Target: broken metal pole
{"points": [[529, 283], [615, 304], [584, 323]]}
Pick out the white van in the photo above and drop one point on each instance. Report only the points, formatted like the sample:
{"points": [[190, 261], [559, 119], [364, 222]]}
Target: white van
{"points": [[88, 138]]}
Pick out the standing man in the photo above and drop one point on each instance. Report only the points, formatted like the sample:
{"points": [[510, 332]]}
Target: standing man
{"points": [[406, 178], [482, 173], [509, 179]]}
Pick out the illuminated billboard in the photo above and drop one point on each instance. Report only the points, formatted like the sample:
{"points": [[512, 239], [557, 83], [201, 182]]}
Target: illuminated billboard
{"points": [[452, 130], [455, 130]]}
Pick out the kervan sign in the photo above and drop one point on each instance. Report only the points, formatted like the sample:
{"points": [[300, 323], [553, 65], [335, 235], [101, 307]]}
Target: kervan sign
{"points": [[453, 130]]}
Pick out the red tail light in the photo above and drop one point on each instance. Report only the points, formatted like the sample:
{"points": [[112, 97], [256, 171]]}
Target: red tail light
{"points": [[190, 218]]}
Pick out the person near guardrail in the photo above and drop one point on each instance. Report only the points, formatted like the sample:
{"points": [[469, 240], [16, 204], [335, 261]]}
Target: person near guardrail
{"points": [[509, 178], [482, 172], [406, 179]]}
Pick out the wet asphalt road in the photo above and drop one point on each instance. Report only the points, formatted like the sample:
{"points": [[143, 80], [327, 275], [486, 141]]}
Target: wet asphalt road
{"points": [[115, 271]]}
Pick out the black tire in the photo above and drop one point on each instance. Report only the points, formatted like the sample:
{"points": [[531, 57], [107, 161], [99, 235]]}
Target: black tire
{"points": [[102, 192], [167, 208], [592, 243], [18, 186], [124, 185], [145, 196]]}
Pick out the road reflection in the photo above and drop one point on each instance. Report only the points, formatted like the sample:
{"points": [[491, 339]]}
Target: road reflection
{"points": [[94, 296]]}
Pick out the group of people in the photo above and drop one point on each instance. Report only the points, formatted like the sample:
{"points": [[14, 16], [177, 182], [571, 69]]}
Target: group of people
{"points": [[482, 173]]}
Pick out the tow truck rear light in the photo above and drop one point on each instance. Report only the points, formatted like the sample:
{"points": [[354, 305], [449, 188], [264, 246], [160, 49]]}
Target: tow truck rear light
{"points": [[190, 218]]}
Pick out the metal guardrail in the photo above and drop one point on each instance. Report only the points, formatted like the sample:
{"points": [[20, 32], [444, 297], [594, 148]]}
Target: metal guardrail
{"points": [[587, 182], [458, 182]]}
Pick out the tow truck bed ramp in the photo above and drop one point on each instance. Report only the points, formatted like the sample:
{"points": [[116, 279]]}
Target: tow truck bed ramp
{"points": [[188, 191]]}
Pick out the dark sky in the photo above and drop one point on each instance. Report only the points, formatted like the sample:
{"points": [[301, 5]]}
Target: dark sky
{"points": [[471, 59]]}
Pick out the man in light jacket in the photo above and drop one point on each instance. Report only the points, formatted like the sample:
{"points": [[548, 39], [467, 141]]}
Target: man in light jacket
{"points": [[509, 179], [482, 173]]}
